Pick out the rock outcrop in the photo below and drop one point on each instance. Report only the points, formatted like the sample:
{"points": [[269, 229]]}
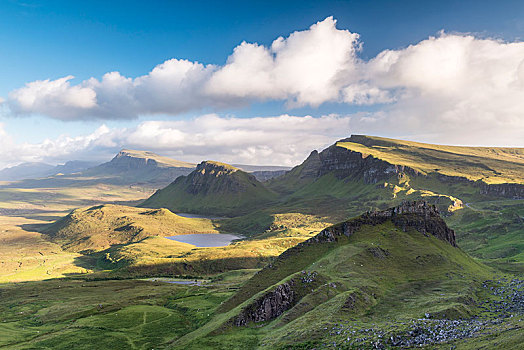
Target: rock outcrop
{"points": [[346, 163], [269, 306], [506, 190], [417, 215], [218, 177]]}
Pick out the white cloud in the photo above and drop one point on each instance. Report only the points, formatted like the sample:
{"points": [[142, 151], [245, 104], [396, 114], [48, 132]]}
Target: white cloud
{"points": [[171, 87], [280, 140], [457, 88], [307, 68], [56, 98]]}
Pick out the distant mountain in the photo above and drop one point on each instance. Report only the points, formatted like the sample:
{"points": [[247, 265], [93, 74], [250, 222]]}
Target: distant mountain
{"points": [[39, 170], [255, 168], [128, 167], [73, 166], [263, 172], [215, 188], [25, 171], [140, 167]]}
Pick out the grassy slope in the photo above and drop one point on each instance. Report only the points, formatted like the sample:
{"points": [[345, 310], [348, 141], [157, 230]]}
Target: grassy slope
{"points": [[490, 164], [218, 199], [127, 314], [98, 227], [420, 275]]}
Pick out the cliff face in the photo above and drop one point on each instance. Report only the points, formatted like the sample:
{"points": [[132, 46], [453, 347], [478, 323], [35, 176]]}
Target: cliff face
{"points": [[125, 160], [214, 177], [419, 215], [345, 163], [507, 190], [270, 306]]}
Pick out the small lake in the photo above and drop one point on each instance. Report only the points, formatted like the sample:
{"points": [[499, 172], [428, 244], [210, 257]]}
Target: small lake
{"points": [[197, 216], [206, 239]]}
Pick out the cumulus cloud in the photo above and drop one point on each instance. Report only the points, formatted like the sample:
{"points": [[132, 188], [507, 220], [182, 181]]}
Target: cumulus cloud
{"points": [[278, 140], [309, 67], [459, 88], [174, 86], [455, 87]]}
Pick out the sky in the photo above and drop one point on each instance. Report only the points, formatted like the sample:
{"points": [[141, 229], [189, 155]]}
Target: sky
{"points": [[254, 82]]}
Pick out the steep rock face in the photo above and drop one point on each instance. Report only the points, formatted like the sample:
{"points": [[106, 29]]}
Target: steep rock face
{"points": [[125, 160], [346, 163], [217, 177], [507, 190], [419, 215], [269, 306]]}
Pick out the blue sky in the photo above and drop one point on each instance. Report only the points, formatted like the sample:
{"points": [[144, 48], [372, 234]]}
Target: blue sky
{"points": [[54, 39]]}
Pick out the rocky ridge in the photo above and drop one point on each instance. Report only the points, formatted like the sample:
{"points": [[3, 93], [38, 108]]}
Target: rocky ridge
{"points": [[345, 163], [212, 176], [417, 215]]}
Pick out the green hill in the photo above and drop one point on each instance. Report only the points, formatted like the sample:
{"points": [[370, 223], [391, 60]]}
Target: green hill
{"points": [[213, 188], [379, 270], [469, 171], [477, 188], [97, 228], [492, 165]]}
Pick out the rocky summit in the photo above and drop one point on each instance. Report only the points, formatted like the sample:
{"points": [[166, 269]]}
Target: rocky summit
{"points": [[215, 188]]}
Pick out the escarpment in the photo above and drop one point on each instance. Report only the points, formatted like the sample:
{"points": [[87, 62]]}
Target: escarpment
{"points": [[344, 163], [217, 177], [506, 190], [373, 160], [418, 215]]}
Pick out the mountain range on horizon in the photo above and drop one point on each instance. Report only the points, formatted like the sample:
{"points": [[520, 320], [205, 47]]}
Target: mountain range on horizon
{"points": [[127, 166]]}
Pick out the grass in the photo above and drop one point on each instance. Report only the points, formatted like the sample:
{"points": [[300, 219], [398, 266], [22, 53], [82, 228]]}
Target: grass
{"points": [[97, 228], [489, 164], [128, 314], [216, 188], [419, 275], [493, 231]]}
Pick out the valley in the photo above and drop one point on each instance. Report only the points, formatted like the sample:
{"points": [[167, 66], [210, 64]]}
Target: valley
{"points": [[371, 243]]}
